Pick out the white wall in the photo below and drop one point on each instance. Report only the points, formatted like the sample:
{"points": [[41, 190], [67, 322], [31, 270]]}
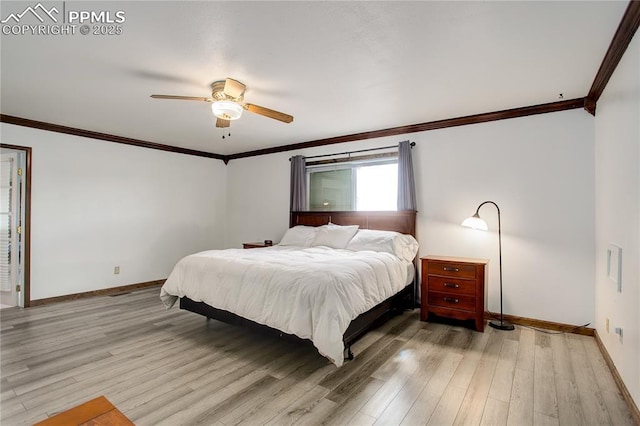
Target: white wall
{"points": [[539, 169], [617, 135], [96, 205], [257, 198]]}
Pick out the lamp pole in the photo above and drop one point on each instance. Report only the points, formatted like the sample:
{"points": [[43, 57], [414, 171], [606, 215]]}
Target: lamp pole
{"points": [[502, 325]]}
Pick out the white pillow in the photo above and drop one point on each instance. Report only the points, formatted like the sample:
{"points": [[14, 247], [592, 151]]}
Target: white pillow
{"points": [[400, 245], [299, 236], [334, 236]]}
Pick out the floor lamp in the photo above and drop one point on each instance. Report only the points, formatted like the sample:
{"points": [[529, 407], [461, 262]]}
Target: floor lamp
{"points": [[476, 222]]}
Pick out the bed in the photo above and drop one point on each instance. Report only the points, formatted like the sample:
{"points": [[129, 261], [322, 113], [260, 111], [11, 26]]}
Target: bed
{"points": [[325, 293]]}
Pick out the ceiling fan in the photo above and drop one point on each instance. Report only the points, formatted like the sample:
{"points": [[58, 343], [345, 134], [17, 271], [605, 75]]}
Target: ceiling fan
{"points": [[226, 103]]}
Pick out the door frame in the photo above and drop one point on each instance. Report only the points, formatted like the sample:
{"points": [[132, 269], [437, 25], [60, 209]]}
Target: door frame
{"points": [[26, 226]]}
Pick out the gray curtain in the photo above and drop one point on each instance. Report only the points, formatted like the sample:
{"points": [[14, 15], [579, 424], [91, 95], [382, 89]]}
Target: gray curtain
{"points": [[298, 183], [406, 181]]}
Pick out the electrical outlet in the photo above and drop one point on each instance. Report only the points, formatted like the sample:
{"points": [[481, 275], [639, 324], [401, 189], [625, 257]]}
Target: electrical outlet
{"points": [[606, 324], [116, 271]]}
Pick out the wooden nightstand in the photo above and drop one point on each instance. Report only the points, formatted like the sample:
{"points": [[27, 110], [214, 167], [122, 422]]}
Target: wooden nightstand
{"points": [[259, 244], [453, 287]]}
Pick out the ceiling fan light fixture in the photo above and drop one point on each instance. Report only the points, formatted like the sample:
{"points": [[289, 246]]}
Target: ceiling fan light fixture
{"points": [[227, 103], [226, 110]]}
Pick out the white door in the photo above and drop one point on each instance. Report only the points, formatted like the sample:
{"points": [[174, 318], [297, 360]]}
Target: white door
{"points": [[10, 220]]}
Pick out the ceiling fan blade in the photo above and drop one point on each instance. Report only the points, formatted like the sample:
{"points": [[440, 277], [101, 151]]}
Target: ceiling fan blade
{"points": [[221, 122], [281, 116], [233, 88], [182, 98]]}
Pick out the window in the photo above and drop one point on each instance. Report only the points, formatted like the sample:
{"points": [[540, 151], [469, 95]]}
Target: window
{"points": [[358, 185]]}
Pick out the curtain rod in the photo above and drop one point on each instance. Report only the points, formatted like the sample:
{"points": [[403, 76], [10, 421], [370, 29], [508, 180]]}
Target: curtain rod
{"points": [[412, 144]]}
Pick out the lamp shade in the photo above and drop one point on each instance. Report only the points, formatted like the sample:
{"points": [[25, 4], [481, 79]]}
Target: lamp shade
{"points": [[475, 222], [226, 110]]}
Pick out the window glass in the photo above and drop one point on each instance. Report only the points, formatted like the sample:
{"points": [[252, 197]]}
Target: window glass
{"points": [[377, 187], [331, 190], [354, 186]]}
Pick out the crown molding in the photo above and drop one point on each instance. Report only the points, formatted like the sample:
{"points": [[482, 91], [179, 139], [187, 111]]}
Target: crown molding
{"points": [[619, 44], [422, 127], [394, 131], [19, 121]]}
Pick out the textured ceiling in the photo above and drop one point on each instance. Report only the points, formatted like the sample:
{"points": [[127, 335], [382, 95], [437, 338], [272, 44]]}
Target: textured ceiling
{"points": [[337, 67]]}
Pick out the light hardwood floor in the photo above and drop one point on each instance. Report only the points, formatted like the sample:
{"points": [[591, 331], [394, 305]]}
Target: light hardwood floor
{"points": [[175, 367]]}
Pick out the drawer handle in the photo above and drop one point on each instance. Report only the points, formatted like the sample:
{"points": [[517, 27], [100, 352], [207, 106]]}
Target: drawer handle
{"points": [[451, 285], [451, 300], [450, 269]]}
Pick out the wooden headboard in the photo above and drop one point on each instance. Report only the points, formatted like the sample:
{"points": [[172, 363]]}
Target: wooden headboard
{"points": [[399, 221]]}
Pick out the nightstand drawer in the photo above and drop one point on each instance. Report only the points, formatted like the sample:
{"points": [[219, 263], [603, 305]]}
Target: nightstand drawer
{"points": [[452, 285], [453, 301], [451, 269]]}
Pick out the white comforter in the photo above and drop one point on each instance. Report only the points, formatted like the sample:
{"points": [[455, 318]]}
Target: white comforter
{"points": [[312, 292]]}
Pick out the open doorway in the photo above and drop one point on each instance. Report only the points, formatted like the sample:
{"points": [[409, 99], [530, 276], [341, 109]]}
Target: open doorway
{"points": [[15, 218]]}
